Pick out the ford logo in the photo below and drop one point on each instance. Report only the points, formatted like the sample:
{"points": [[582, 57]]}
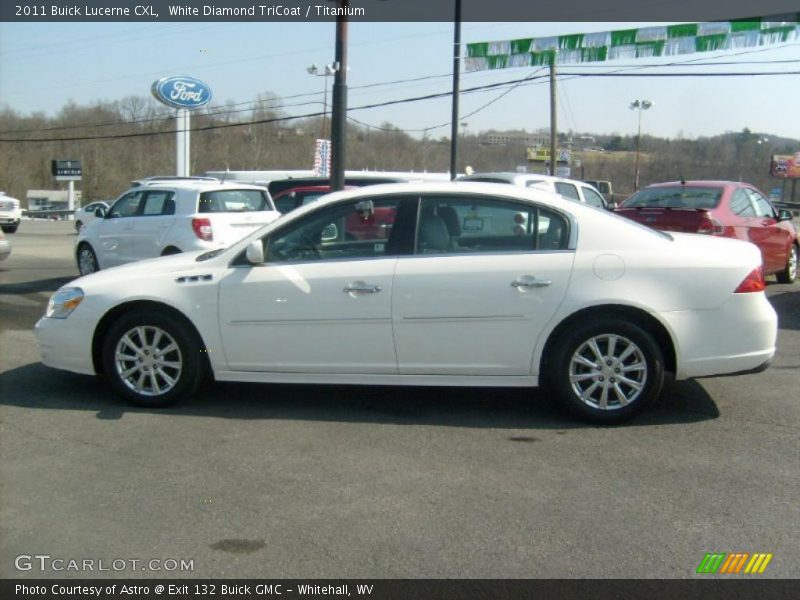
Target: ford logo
{"points": [[181, 92]]}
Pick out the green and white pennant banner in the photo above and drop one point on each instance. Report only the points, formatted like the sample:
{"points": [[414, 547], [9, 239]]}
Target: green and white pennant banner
{"points": [[623, 44]]}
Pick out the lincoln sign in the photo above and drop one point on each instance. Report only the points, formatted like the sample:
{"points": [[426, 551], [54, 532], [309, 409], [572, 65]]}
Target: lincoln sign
{"points": [[181, 92]]}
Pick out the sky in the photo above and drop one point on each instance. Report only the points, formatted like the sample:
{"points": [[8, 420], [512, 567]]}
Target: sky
{"points": [[45, 65]]}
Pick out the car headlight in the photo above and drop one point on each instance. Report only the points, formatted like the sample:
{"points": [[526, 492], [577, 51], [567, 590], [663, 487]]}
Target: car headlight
{"points": [[63, 302]]}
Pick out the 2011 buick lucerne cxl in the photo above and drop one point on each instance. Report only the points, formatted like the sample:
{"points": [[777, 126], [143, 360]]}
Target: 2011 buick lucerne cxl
{"points": [[472, 284]]}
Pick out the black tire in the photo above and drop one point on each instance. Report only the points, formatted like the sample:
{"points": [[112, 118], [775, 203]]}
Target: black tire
{"points": [[170, 251], [158, 369], [582, 381], [789, 273], [10, 228], [87, 260]]}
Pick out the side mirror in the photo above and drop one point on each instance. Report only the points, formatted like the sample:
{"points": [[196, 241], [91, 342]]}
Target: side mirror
{"points": [[785, 215], [331, 232], [100, 212], [255, 252]]}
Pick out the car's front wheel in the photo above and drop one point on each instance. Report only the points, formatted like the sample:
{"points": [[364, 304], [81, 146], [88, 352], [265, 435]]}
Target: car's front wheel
{"points": [[152, 358], [789, 272], [607, 370], [87, 260]]}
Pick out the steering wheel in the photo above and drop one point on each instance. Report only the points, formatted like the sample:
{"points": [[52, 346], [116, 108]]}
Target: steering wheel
{"points": [[295, 251]]}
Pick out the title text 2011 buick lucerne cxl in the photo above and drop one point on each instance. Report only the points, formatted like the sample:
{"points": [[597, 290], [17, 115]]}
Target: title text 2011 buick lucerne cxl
{"points": [[472, 284]]}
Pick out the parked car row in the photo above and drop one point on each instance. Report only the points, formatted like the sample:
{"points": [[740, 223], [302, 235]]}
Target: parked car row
{"points": [[720, 208], [459, 283]]}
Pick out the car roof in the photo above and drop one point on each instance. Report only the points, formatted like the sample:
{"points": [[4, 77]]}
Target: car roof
{"points": [[700, 183], [198, 184], [449, 188], [513, 177]]}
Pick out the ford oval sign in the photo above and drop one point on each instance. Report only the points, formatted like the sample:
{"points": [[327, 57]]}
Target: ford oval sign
{"points": [[181, 92]]}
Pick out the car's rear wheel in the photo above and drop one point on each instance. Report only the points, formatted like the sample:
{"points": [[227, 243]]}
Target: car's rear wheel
{"points": [[152, 358], [789, 272], [87, 260], [10, 228], [607, 371]]}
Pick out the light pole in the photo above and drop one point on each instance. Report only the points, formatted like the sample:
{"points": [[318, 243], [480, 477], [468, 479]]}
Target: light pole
{"points": [[327, 71], [639, 105]]}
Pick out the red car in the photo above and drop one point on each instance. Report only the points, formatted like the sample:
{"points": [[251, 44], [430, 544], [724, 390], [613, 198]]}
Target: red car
{"points": [[376, 226], [724, 208], [295, 197]]}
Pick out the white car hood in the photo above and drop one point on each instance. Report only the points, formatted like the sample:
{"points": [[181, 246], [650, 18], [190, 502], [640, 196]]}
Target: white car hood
{"points": [[144, 269]]}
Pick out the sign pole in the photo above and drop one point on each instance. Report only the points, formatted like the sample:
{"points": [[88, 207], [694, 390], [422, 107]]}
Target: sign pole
{"points": [[71, 198], [553, 126], [182, 143]]}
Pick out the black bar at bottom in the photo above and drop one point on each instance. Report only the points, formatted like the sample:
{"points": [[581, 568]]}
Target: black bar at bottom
{"points": [[712, 588]]}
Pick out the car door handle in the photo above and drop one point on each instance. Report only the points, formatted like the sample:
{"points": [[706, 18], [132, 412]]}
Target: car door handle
{"points": [[530, 282], [359, 287]]}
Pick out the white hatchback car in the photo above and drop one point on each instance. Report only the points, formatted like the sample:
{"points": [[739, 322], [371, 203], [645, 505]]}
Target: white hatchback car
{"points": [[532, 289], [571, 189], [170, 215]]}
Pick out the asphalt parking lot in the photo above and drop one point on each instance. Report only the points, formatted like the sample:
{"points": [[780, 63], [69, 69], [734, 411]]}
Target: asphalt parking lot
{"points": [[321, 481]]}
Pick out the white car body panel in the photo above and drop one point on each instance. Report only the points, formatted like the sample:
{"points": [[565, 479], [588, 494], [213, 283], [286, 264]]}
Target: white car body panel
{"points": [[313, 325], [294, 323], [485, 329]]}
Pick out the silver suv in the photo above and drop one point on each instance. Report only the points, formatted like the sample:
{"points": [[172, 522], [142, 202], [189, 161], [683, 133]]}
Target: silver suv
{"points": [[169, 215]]}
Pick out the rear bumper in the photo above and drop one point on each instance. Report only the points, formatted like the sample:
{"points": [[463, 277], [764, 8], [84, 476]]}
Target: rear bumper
{"points": [[738, 337]]}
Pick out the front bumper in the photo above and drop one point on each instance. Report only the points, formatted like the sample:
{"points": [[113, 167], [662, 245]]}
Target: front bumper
{"points": [[65, 344]]}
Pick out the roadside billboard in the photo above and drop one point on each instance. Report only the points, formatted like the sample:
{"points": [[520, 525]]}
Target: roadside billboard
{"points": [[785, 166]]}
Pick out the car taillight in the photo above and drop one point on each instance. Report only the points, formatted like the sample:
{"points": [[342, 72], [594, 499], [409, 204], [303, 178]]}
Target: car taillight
{"points": [[202, 229], [754, 282], [710, 226]]}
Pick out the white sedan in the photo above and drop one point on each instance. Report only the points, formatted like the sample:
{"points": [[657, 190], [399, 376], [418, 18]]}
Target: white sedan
{"points": [[87, 214], [464, 284]]}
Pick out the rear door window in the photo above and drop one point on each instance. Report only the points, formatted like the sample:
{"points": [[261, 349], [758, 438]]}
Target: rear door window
{"points": [[454, 225], [158, 203], [741, 205], [567, 190]]}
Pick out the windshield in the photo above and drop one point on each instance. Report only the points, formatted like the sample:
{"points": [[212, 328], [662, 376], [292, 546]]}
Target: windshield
{"points": [[679, 196], [221, 201]]}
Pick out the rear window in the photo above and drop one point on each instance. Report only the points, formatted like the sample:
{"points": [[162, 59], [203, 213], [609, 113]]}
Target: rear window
{"points": [[680, 196], [222, 201]]}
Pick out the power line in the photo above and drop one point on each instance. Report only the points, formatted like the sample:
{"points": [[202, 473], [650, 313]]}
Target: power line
{"points": [[529, 80]]}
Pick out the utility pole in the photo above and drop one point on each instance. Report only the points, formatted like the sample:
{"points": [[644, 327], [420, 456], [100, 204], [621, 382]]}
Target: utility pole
{"points": [[456, 86], [339, 109], [553, 126]]}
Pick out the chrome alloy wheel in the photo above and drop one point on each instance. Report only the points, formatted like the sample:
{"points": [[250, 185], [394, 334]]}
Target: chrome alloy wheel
{"points": [[608, 372], [148, 360], [87, 262], [792, 270]]}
